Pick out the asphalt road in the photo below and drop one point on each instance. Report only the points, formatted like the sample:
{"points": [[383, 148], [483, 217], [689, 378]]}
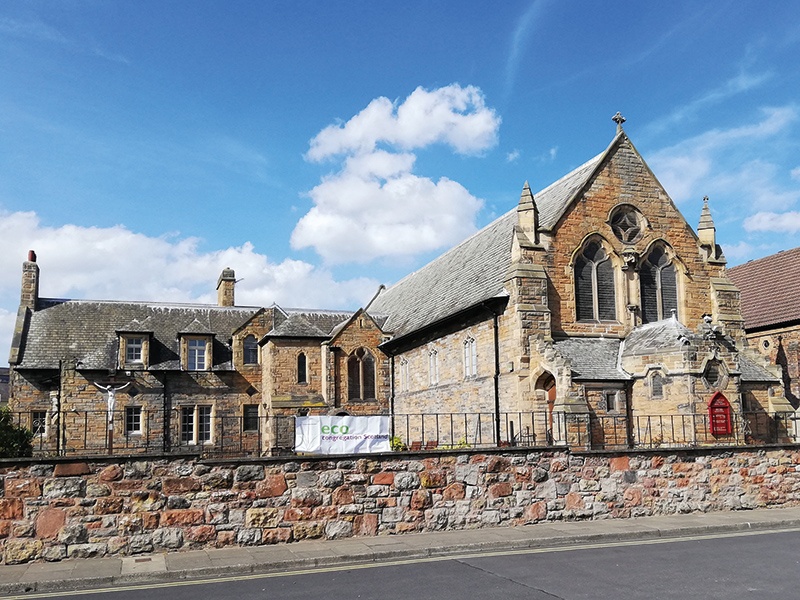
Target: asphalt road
{"points": [[760, 566]]}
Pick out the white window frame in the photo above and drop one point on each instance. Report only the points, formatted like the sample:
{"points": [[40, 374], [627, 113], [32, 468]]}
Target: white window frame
{"points": [[134, 413], [433, 366], [196, 350], [470, 358], [198, 414], [45, 424]]}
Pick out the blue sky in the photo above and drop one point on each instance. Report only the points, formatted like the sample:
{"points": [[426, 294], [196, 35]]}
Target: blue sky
{"points": [[323, 148]]}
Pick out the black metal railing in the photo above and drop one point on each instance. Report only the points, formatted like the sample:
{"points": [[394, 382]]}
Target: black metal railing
{"points": [[76, 433]]}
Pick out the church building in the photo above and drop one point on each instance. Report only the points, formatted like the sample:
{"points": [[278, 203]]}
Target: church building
{"points": [[590, 315]]}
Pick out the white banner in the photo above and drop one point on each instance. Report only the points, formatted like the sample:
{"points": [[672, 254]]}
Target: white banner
{"points": [[341, 435]]}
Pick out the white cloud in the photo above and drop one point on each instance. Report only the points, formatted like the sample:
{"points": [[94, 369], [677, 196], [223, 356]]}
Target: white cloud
{"points": [[736, 253], [795, 173], [685, 169], [375, 206], [787, 222], [512, 156], [452, 115], [116, 263]]}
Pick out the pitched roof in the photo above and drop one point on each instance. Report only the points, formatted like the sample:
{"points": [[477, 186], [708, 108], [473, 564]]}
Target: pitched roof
{"points": [[667, 334], [769, 289], [473, 271], [593, 358], [752, 371], [86, 331]]}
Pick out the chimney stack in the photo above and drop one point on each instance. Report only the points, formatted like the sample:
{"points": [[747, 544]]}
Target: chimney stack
{"points": [[225, 287], [30, 282]]}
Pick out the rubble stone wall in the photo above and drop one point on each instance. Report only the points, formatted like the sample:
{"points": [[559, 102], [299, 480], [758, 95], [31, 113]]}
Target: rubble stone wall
{"points": [[116, 506]]}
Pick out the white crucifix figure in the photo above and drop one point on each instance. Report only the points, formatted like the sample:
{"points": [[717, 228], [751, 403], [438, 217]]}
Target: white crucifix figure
{"points": [[111, 398]]}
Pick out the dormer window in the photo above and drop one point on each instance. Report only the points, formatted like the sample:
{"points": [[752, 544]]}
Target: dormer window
{"points": [[196, 353], [134, 349]]}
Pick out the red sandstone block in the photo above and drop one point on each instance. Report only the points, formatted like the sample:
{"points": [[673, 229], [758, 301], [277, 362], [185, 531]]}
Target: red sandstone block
{"points": [[497, 464], [109, 506], [535, 512], [343, 495], [386, 502], [5, 529], [500, 490], [325, 512], [455, 491], [271, 487], [10, 508], [574, 501], [189, 516], [366, 524], [49, 522], [620, 463], [150, 520], [71, 469], [128, 485], [420, 499], [383, 478], [297, 514], [276, 535], [111, 473], [22, 488], [175, 486], [201, 533], [433, 479]]}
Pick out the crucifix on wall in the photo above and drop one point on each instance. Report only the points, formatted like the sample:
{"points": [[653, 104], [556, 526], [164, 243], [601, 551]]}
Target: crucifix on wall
{"points": [[111, 399]]}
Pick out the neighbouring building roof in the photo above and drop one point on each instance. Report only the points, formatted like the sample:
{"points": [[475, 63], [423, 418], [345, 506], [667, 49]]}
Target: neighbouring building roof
{"points": [[769, 289], [474, 271], [85, 331], [593, 358], [751, 371], [313, 323]]}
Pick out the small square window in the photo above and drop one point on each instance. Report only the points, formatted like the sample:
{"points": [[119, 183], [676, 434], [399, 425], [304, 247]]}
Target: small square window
{"points": [[133, 420], [250, 417], [133, 349]]}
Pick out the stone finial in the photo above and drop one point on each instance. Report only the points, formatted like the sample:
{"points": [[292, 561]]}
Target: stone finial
{"points": [[528, 213], [619, 120], [706, 231]]}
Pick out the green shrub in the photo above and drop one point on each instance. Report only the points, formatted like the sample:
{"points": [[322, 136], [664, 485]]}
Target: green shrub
{"points": [[15, 441]]}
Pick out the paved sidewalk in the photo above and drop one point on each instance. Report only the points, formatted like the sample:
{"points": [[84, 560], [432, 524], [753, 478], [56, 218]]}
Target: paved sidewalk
{"points": [[152, 568]]}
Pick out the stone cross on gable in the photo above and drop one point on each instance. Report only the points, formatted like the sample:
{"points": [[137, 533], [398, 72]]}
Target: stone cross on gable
{"points": [[619, 120]]}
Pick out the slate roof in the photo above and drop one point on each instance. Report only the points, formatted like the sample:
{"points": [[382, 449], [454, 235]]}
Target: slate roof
{"points": [[751, 371], [473, 271], [660, 336], [769, 289], [308, 323], [593, 358], [86, 331]]}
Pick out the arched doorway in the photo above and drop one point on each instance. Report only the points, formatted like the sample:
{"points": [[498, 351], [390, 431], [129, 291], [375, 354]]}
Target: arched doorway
{"points": [[545, 391]]}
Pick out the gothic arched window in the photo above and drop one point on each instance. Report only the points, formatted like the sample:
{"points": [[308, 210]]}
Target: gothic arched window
{"points": [[250, 347], [361, 375], [659, 286], [594, 285]]}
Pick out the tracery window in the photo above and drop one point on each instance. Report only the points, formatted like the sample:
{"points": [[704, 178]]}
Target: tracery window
{"points": [[659, 286], [626, 223], [361, 375], [594, 285]]}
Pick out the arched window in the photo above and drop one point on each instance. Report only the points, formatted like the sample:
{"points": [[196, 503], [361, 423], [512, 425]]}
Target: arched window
{"points": [[250, 346], [659, 286], [302, 371], [656, 386], [361, 375], [594, 285], [433, 367], [470, 357]]}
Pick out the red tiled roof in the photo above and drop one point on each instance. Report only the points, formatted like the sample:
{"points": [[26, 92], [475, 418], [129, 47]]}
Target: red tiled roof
{"points": [[770, 289]]}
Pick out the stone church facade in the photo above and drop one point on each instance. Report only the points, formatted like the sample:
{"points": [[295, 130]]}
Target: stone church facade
{"points": [[591, 315]]}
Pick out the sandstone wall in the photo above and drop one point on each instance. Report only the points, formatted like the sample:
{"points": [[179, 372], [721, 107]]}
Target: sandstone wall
{"points": [[51, 511]]}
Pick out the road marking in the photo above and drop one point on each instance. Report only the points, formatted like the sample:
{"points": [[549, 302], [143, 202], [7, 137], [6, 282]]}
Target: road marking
{"points": [[400, 562]]}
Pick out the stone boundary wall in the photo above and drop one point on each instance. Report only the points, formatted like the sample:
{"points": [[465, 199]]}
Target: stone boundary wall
{"points": [[52, 510]]}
